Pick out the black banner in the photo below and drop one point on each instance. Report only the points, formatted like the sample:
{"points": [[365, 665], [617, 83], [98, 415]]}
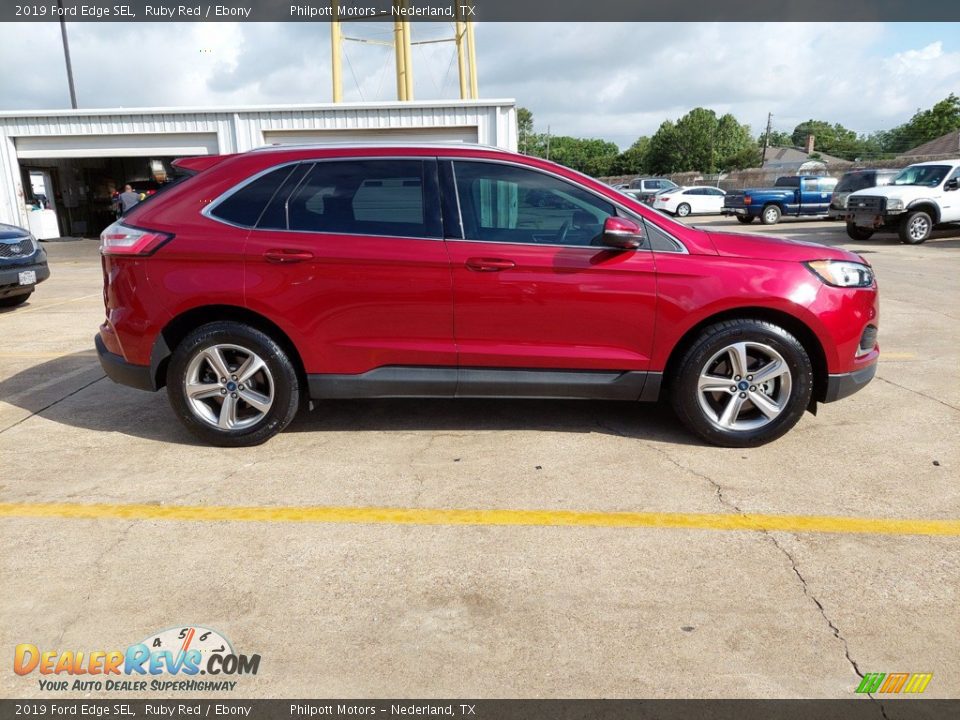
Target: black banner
{"points": [[859, 708], [478, 10]]}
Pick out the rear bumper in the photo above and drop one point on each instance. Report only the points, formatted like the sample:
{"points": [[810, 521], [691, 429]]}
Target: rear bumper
{"points": [[846, 384], [734, 211], [10, 278], [120, 371]]}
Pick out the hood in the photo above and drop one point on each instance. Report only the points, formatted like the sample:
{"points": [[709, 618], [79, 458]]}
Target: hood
{"points": [[768, 247], [907, 192], [12, 232]]}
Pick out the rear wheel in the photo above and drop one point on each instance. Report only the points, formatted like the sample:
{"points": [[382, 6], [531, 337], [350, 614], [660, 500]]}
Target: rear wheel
{"points": [[770, 215], [746, 219], [232, 385], [742, 383], [916, 228], [683, 209], [14, 300], [858, 233]]}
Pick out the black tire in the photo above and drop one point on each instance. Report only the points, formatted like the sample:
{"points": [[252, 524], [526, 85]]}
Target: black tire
{"points": [[278, 375], [683, 209], [855, 232], [770, 215], [796, 387], [916, 228], [746, 219], [14, 300]]}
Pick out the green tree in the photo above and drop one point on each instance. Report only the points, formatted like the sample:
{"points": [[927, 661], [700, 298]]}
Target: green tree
{"points": [[663, 153], [524, 129], [588, 155], [734, 146], [829, 139], [632, 161], [925, 125], [778, 138]]}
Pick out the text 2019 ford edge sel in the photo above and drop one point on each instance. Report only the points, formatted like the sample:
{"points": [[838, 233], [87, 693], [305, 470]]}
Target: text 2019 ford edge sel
{"points": [[290, 273]]}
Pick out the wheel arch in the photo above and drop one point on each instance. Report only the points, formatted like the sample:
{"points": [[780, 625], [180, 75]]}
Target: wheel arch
{"points": [[186, 322], [930, 207], [791, 323]]}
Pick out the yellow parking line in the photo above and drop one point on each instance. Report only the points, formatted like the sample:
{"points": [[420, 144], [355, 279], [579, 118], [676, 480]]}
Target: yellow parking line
{"points": [[428, 516], [897, 356], [34, 308]]}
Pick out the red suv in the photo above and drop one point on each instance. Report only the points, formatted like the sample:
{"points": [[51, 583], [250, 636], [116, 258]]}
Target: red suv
{"points": [[294, 273]]}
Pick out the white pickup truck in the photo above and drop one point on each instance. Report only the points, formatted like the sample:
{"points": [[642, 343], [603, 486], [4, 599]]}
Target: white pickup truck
{"points": [[920, 197]]}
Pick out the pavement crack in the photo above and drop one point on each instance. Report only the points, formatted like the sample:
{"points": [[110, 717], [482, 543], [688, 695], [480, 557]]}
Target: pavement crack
{"points": [[917, 392], [47, 407], [730, 504]]}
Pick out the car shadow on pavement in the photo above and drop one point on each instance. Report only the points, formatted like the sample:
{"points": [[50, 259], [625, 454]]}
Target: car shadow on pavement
{"points": [[73, 391]]}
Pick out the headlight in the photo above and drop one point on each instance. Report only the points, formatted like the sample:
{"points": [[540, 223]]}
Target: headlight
{"points": [[34, 243], [894, 204], [842, 273]]}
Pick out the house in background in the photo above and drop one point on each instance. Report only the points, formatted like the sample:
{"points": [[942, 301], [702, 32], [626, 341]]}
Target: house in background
{"points": [[943, 147], [799, 161]]}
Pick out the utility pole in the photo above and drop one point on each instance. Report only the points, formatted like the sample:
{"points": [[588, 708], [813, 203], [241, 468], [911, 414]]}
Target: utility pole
{"points": [[66, 56], [336, 44], [766, 138]]}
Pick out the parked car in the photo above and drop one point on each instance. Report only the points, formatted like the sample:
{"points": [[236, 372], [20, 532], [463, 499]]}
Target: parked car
{"points": [[23, 265], [791, 196], [696, 200], [853, 181], [289, 273], [921, 197], [644, 188]]}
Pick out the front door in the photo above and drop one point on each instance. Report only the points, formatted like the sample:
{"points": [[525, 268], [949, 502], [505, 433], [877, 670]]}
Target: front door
{"points": [[533, 288]]}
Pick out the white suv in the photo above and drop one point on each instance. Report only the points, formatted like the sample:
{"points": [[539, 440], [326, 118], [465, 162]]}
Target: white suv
{"points": [[920, 197]]}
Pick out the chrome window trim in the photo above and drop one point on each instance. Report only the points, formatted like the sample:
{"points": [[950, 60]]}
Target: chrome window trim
{"points": [[206, 212], [631, 213]]}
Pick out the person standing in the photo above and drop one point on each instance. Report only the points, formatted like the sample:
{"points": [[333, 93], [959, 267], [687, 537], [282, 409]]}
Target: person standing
{"points": [[128, 198]]}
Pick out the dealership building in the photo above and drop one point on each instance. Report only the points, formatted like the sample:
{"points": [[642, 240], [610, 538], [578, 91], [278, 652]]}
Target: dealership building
{"points": [[60, 168]]}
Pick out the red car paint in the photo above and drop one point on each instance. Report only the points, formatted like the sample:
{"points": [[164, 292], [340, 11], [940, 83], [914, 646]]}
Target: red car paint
{"points": [[351, 304]]}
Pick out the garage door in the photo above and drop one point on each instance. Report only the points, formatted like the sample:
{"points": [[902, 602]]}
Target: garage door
{"points": [[444, 134], [86, 146]]}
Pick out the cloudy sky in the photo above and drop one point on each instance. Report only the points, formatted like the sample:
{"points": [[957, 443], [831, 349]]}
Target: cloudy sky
{"points": [[615, 81]]}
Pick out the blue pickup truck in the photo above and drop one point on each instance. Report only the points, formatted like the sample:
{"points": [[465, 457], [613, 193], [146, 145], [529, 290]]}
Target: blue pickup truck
{"points": [[791, 196]]}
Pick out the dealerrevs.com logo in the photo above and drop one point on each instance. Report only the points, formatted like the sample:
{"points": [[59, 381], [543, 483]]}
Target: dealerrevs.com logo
{"points": [[170, 660]]}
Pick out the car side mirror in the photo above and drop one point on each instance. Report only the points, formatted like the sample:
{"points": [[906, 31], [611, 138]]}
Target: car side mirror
{"points": [[952, 184], [621, 233]]}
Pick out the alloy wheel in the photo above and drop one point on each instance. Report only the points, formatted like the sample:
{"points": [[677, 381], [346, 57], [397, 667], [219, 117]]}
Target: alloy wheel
{"points": [[744, 386], [919, 228], [228, 387]]}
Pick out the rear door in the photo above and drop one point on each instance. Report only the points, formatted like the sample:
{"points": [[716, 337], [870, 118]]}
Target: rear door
{"points": [[532, 286], [349, 253]]}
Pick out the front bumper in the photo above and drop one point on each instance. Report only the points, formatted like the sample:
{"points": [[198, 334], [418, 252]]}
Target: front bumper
{"points": [[846, 384], [10, 278], [120, 371]]}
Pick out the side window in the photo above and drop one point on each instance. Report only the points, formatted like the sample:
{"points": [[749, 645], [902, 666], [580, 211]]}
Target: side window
{"points": [[275, 215], [503, 203], [717, 191], [363, 197], [653, 184], [659, 240], [245, 205]]}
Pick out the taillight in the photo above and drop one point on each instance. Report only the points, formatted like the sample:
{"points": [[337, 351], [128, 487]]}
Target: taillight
{"points": [[665, 199], [747, 199], [120, 239]]}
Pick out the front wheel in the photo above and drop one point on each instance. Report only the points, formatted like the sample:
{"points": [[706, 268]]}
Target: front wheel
{"points": [[232, 385], [683, 210], [771, 215], [855, 232], [742, 383], [746, 219], [916, 228]]}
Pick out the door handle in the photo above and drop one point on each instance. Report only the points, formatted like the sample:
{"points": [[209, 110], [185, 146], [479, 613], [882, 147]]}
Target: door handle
{"points": [[489, 264], [286, 255]]}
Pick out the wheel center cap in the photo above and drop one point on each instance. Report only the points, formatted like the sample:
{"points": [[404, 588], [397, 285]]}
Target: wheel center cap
{"points": [[231, 386], [743, 385]]}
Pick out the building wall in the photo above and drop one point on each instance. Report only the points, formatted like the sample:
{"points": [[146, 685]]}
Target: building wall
{"points": [[171, 131]]}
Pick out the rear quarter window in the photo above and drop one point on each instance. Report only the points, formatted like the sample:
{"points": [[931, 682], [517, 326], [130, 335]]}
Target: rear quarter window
{"points": [[244, 205]]}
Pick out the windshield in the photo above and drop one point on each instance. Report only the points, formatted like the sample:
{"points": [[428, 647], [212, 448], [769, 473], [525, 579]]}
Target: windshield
{"points": [[927, 175], [855, 181]]}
